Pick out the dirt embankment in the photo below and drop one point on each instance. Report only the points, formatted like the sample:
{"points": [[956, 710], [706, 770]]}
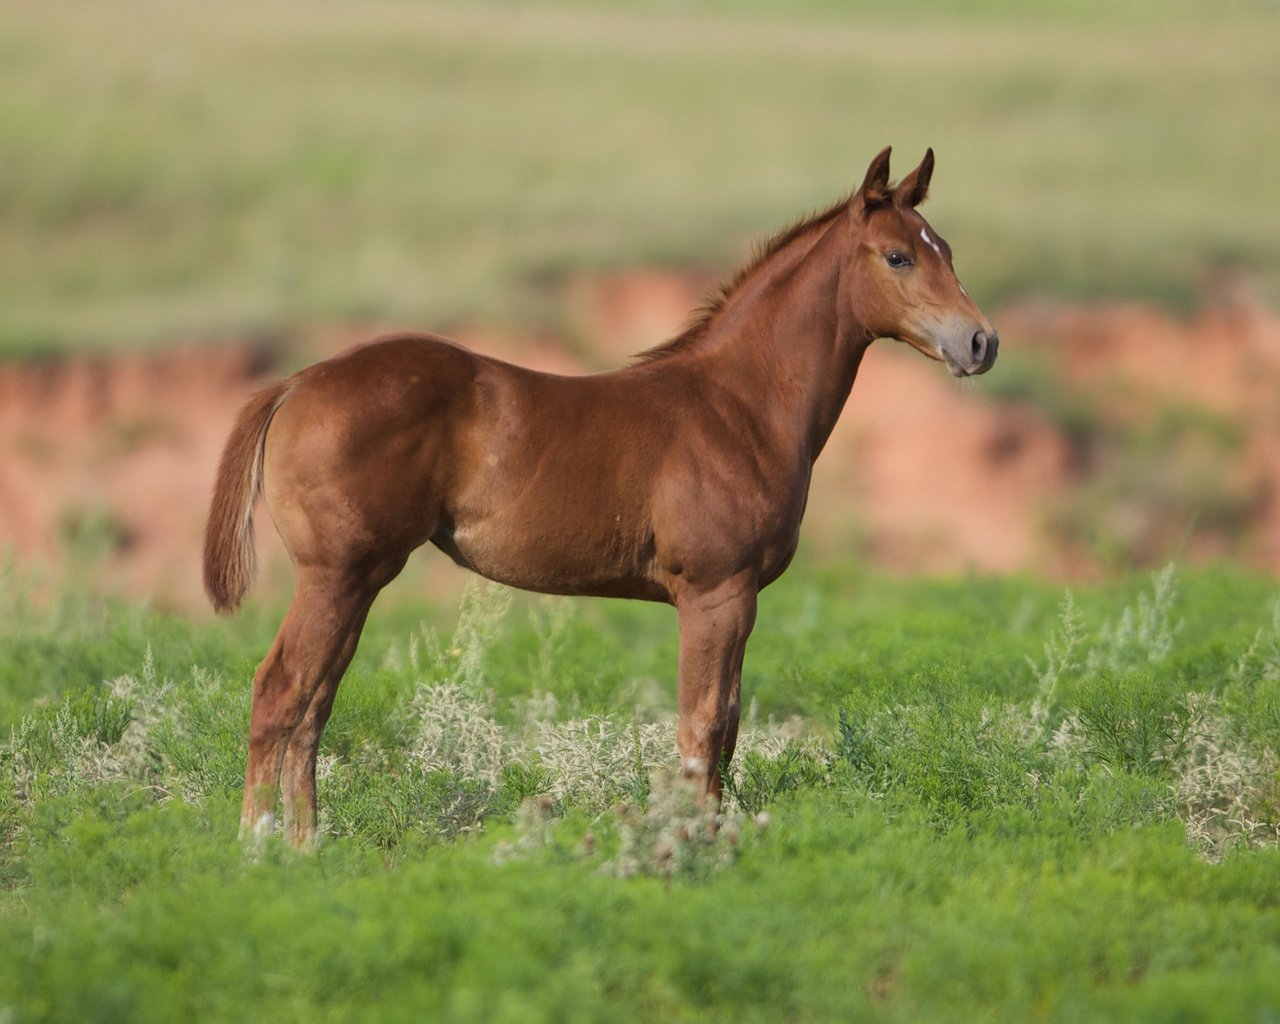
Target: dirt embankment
{"points": [[1107, 434]]}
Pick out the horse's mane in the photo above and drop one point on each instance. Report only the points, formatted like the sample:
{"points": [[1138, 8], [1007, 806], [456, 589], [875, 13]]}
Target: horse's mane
{"points": [[701, 318]]}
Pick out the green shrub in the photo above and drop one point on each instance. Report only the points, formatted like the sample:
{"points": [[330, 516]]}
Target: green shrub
{"points": [[1136, 723], [957, 756]]}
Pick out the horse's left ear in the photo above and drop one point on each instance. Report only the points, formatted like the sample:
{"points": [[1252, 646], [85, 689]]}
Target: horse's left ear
{"points": [[875, 186], [915, 186]]}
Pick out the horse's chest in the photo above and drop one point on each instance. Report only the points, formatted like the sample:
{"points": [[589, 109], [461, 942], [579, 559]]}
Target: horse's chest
{"points": [[728, 521]]}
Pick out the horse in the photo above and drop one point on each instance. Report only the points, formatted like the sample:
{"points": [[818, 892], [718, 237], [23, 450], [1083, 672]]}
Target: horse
{"points": [[680, 478]]}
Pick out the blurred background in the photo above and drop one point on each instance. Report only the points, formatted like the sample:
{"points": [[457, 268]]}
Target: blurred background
{"points": [[196, 196]]}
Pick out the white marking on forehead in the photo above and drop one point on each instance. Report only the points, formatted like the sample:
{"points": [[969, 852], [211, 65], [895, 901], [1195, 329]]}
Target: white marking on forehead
{"points": [[924, 233]]}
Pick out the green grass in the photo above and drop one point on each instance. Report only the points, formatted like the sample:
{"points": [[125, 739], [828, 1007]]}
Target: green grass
{"points": [[959, 800], [968, 799], [253, 168]]}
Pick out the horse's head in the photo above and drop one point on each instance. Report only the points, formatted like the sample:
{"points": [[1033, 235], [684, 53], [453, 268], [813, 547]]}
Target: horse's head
{"points": [[903, 283]]}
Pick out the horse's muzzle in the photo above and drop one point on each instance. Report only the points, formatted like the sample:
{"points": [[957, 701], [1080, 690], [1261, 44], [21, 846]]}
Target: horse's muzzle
{"points": [[978, 356], [983, 348]]}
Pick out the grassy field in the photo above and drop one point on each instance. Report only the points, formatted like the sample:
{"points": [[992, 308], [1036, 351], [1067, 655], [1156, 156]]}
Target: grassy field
{"points": [[173, 170], [971, 800]]}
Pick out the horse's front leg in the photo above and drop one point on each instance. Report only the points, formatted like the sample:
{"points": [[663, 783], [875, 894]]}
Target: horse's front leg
{"points": [[714, 626]]}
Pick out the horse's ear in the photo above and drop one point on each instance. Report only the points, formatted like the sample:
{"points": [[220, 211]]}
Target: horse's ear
{"points": [[915, 186], [875, 186]]}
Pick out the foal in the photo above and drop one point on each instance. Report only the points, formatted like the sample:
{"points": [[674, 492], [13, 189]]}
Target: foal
{"points": [[681, 478]]}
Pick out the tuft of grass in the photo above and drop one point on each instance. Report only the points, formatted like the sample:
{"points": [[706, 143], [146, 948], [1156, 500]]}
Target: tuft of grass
{"points": [[956, 758], [672, 834], [1134, 723]]}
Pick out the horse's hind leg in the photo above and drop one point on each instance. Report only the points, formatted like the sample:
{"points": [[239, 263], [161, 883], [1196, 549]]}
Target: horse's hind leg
{"points": [[298, 775], [301, 671]]}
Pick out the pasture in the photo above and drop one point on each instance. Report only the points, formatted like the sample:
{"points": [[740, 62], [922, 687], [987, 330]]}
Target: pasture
{"points": [[257, 168], [970, 798], [960, 800]]}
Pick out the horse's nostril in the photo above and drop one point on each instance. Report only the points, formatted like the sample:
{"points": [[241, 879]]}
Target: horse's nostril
{"points": [[979, 345]]}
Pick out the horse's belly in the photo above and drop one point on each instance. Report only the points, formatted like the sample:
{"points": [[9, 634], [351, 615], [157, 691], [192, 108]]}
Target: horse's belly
{"points": [[597, 563]]}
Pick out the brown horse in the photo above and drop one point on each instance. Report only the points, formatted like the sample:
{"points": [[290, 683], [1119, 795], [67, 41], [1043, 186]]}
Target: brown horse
{"points": [[681, 478]]}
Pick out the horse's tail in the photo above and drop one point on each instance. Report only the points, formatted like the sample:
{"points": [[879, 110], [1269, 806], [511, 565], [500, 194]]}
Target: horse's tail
{"points": [[230, 561]]}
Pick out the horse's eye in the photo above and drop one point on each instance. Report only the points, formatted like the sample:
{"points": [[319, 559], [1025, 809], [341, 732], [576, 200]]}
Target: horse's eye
{"points": [[896, 258]]}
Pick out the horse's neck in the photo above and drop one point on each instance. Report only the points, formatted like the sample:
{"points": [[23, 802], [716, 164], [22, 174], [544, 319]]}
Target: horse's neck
{"points": [[786, 342]]}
